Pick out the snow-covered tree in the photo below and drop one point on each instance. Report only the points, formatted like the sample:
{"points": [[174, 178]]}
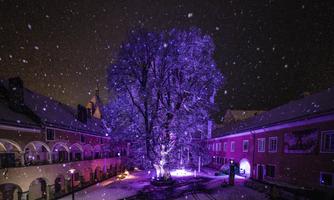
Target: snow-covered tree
{"points": [[162, 83]]}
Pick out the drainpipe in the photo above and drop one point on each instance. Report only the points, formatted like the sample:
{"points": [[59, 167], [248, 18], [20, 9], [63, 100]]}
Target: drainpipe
{"points": [[253, 156]]}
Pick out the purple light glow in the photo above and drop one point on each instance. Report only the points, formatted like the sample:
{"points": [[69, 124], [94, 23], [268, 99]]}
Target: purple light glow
{"points": [[163, 82]]}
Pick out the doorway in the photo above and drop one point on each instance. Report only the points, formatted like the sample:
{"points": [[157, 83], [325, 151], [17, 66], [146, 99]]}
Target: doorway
{"points": [[260, 172]]}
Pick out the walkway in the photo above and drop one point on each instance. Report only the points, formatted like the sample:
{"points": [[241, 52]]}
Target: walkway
{"points": [[138, 182]]}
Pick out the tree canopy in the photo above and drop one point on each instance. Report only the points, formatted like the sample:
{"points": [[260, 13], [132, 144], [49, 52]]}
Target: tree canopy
{"points": [[162, 84]]}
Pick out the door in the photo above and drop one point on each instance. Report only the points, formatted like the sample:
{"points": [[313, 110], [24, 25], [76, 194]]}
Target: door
{"points": [[260, 172]]}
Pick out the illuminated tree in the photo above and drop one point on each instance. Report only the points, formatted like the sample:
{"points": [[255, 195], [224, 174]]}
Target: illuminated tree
{"points": [[162, 84]]}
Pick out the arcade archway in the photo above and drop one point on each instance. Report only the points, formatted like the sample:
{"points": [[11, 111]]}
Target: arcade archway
{"points": [[245, 167]]}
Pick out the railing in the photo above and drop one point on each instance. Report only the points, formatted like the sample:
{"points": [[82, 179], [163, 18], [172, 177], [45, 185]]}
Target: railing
{"points": [[45, 162], [85, 184]]}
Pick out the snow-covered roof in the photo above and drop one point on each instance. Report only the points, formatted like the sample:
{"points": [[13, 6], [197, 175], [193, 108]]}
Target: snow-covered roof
{"points": [[55, 114], [310, 106], [52, 113], [10, 117], [13, 118], [237, 115]]}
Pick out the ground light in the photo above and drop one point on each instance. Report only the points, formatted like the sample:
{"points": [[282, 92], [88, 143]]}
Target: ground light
{"points": [[181, 173], [123, 175]]}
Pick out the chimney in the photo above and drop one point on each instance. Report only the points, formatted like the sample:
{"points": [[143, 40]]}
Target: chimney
{"points": [[305, 94], [89, 113], [16, 93], [82, 114]]}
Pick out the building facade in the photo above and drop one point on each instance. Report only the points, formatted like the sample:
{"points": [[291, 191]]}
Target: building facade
{"points": [[291, 145], [44, 145]]}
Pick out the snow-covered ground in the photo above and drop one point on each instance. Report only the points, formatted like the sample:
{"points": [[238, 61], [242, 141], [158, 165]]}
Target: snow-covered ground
{"points": [[237, 192], [113, 189]]}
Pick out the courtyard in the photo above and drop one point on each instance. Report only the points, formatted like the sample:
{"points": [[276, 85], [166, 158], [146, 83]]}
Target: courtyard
{"points": [[136, 185], [153, 100]]}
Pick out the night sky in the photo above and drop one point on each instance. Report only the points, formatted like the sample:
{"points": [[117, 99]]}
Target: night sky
{"points": [[269, 52]]}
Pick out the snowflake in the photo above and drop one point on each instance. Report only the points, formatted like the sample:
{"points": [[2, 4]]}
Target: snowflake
{"points": [[190, 15]]}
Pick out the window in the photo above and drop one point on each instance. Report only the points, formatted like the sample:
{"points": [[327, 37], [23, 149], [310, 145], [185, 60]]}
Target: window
{"points": [[97, 155], [326, 179], [270, 171], [245, 145], [219, 146], [82, 138], [101, 140], [232, 146], [76, 176], [272, 144], [327, 141], [261, 142], [50, 134], [225, 146]]}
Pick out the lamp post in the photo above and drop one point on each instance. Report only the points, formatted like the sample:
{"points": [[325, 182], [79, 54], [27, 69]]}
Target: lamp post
{"points": [[72, 182], [232, 172]]}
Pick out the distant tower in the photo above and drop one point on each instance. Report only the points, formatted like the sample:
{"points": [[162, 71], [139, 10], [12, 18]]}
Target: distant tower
{"points": [[95, 104], [97, 90]]}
